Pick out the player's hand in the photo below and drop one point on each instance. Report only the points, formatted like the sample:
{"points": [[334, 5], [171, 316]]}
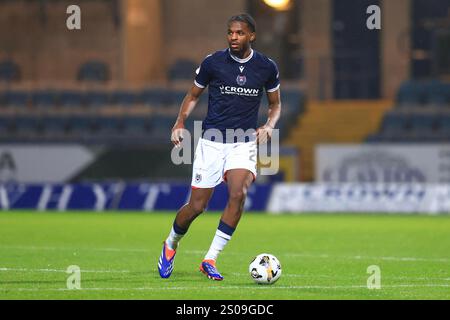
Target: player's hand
{"points": [[177, 134], [264, 134]]}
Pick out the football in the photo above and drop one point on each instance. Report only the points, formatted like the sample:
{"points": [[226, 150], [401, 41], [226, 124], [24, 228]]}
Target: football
{"points": [[265, 269]]}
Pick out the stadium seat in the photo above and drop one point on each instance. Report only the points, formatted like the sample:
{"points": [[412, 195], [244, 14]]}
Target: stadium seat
{"points": [[394, 124], [137, 126], [412, 93], [439, 94], [54, 126], [17, 99], [96, 71], [422, 124], [162, 125], [176, 98], [4, 126], [9, 71], [43, 99], [2, 99], [110, 125], [70, 99], [374, 138], [444, 127], [124, 98], [293, 98], [27, 126], [96, 99], [80, 125], [155, 97], [182, 69]]}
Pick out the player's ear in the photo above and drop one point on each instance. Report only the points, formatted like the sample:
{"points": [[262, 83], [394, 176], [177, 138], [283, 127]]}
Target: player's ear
{"points": [[252, 37]]}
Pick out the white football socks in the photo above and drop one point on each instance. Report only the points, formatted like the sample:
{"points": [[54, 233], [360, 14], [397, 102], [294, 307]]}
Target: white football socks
{"points": [[173, 239], [218, 244]]}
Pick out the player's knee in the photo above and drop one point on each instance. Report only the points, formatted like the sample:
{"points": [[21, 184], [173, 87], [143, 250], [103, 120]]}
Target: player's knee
{"points": [[237, 196], [198, 207]]}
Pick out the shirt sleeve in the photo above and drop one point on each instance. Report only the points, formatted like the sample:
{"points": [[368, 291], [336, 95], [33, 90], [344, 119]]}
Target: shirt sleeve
{"points": [[273, 83], [203, 73]]}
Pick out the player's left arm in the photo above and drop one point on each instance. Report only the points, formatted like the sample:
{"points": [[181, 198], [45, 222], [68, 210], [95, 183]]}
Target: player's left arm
{"points": [[264, 133]]}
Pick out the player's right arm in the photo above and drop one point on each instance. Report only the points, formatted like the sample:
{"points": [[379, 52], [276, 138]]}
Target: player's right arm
{"points": [[188, 104], [201, 81]]}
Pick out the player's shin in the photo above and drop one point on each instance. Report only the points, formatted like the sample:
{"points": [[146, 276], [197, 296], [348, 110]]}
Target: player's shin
{"points": [[175, 235], [221, 238]]}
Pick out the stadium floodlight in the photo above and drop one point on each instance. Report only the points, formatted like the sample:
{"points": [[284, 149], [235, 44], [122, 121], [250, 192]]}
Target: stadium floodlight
{"points": [[280, 5]]}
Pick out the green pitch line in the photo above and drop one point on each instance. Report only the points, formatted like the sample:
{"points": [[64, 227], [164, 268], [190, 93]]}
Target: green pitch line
{"points": [[322, 256]]}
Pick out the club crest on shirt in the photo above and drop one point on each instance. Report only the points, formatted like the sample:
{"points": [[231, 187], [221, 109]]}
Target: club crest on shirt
{"points": [[241, 80], [198, 177]]}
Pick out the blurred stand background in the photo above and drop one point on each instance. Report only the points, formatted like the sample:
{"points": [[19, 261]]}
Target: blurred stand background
{"points": [[96, 105]]}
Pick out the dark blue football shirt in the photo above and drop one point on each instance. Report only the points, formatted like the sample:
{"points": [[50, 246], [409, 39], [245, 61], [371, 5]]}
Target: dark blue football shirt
{"points": [[235, 88]]}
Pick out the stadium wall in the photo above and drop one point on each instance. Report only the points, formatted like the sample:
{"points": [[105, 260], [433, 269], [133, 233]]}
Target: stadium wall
{"points": [[277, 199], [383, 163], [34, 35]]}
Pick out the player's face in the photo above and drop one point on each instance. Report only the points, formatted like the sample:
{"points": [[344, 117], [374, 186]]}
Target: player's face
{"points": [[239, 37]]}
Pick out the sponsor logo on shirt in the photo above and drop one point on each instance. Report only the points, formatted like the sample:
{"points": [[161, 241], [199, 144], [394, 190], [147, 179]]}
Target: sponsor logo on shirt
{"points": [[239, 91]]}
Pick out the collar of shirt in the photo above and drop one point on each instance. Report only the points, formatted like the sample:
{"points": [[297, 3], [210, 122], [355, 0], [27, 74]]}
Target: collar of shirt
{"points": [[241, 60]]}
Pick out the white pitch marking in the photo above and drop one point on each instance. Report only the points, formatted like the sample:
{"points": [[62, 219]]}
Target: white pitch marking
{"points": [[59, 270], [227, 288], [292, 254], [327, 276], [289, 275]]}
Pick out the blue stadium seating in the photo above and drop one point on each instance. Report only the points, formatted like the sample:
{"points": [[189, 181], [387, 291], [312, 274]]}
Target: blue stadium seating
{"points": [[124, 98], [444, 127], [420, 114], [162, 125], [109, 125], [43, 99], [155, 97], [9, 71], [292, 97], [423, 93], [80, 123], [54, 126], [439, 94], [95, 71], [4, 126], [27, 125], [70, 99], [96, 99], [17, 99], [394, 124], [137, 126], [412, 93], [182, 69], [422, 123], [176, 98]]}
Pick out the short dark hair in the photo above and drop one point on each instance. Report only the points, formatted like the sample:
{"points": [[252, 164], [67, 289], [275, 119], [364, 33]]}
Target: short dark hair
{"points": [[246, 18]]}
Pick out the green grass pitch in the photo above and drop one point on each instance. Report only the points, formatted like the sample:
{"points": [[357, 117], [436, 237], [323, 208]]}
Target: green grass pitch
{"points": [[322, 256]]}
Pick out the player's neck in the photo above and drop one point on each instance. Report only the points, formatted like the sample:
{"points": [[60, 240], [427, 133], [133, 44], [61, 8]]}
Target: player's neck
{"points": [[244, 55]]}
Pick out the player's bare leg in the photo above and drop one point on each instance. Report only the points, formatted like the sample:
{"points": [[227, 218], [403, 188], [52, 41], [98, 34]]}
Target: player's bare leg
{"points": [[189, 212], [239, 180], [197, 203]]}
